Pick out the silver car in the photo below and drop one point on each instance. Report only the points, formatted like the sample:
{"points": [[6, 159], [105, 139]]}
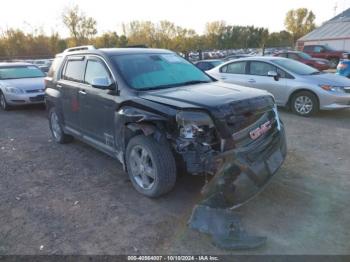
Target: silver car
{"points": [[302, 88], [20, 84]]}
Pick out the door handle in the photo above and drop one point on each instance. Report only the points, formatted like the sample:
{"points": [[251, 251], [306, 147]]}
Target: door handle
{"points": [[82, 92], [251, 81]]}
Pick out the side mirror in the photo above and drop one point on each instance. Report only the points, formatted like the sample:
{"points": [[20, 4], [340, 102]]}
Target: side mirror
{"points": [[273, 74], [103, 83]]}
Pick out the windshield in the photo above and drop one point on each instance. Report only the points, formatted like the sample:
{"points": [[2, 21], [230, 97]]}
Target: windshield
{"points": [[155, 71], [304, 55], [16, 72], [296, 67]]}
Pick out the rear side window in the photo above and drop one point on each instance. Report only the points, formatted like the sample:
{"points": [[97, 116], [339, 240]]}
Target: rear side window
{"points": [[55, 66], [74, 70], [234, 68], [261, 68]]}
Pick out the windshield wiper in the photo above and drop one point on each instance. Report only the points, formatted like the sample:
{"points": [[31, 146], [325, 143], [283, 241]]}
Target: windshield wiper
{"points": [[193, 82], [315, 73]]}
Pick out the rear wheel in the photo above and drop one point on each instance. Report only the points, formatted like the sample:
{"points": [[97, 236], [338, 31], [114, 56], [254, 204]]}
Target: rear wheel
{"points": [[56, 128], [3, 103], [304, 104], [151, 166]]}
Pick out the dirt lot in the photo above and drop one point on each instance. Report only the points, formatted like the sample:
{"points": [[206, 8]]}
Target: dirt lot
{"points": [[72, 199]]}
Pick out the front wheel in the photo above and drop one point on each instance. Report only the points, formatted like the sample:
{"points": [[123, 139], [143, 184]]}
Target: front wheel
{"points": [[3, 104], [151, 166], [304, 104]]}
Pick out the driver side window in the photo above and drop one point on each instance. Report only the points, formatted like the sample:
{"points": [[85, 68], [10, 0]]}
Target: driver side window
{"points": [[95, 69]]}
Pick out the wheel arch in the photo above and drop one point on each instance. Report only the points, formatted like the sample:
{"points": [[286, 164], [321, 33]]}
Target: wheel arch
{"points": [[302, 90], [132, 121]]}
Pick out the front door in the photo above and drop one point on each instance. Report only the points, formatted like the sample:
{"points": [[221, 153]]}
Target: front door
{"points": [[98, 105], [258, 78]]}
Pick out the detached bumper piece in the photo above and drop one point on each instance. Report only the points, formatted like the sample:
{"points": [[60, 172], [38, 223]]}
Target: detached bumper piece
{"points": [[244, 173], [224, 225]]}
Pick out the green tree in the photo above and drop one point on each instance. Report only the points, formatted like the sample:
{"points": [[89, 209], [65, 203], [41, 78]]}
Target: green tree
{"points": [[81, 27], [213, 33], [299, 22], [280, 39]]}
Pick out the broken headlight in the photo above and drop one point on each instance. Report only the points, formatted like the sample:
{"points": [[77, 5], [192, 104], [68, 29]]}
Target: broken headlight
{"points": [[194, 125]]}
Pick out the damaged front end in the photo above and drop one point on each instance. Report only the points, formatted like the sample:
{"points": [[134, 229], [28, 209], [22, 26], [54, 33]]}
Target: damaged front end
{"points": [[242, 150]]}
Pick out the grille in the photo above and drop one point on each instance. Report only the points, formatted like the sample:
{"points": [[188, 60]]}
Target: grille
{"points": [[242, 138], [34, 91], [37, 98], [242, 114]]}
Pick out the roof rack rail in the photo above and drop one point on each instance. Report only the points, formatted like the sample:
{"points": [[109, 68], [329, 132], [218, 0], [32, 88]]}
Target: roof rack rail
{"points": [[79, 48]]}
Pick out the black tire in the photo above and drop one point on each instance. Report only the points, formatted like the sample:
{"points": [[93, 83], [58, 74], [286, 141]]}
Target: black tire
{"points": [[57, 131], [3, 103], [307, 97], [334, 62], [161, 160]]}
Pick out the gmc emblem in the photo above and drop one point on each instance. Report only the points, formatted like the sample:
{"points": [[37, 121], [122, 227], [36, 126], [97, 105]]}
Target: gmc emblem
{"points": [[258, 132]]}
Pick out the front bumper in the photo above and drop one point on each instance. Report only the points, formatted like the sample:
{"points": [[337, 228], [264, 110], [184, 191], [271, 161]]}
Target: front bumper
{"points": [[25, 99], [335, 101], [245, 172]]}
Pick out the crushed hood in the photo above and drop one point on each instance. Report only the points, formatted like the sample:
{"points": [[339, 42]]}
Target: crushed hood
{"points": [[204, 95]]}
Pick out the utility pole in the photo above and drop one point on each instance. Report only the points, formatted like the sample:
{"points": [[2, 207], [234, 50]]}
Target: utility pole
{"points": [[335, 8]]}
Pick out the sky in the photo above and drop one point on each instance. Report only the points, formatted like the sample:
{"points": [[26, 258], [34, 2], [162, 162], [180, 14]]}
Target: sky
{"points": [[110, 14]]}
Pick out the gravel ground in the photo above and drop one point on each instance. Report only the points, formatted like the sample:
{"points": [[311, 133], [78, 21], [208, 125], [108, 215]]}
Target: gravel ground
{"points": [[72, 199]]}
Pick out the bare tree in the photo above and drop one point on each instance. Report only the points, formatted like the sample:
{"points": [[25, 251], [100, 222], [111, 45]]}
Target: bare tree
{"points": [[81, 27]]}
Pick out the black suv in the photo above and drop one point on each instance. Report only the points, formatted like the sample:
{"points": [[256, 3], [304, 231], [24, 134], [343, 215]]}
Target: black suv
{"points": [[155, 112]]}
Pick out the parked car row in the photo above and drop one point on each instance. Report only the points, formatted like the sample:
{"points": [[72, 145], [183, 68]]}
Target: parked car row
{"points": [[321, 57]]}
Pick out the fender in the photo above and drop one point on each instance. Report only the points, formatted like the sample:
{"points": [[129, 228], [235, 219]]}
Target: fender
{"points": [[130, 121]]}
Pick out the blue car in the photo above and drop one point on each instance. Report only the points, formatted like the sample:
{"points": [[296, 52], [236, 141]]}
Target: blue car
{"points": [[343, 67]]}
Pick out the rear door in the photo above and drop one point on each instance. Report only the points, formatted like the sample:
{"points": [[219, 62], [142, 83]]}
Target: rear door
{"points": [[235, 73], [97, 105], [258, 78], [69, 86]]}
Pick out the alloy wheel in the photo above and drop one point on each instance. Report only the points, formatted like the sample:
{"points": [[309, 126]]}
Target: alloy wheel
{"points": [[303, 105], [55, 126], [2, 101], [142, 168]]}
